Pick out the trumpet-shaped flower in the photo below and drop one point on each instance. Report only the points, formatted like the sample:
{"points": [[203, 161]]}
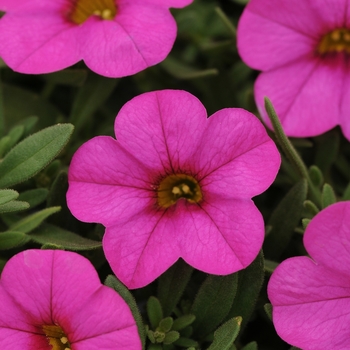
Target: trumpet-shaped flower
{"points": [[311, 297], [175, 184], [303, 51], [55, 300], [115, 38]]}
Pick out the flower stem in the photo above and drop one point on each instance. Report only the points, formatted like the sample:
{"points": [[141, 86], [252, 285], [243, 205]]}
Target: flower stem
{"points": [[291, 152]]}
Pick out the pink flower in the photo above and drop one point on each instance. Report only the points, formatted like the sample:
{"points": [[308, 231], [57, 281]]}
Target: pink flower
{"points": [[115, 38], [55, 300], [303, 51], [311, 298], [175, 184]]}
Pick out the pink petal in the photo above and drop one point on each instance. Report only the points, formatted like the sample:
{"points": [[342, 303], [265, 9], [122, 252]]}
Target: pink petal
{"points": [[15, 340], [310, 305], [222, 236], [165, 3], [142, 248], [111, 183], [31, 6], [327, 237], [168, 124], [236, 158], [44, 42], [344, 103], [116, 329], [266, 43], [307, 102]]}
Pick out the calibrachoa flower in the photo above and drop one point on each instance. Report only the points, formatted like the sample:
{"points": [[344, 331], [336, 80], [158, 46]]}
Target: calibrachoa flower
{"points": [[303, 49], [55, 300], [175, 184], [311, 297], [115, 38]]}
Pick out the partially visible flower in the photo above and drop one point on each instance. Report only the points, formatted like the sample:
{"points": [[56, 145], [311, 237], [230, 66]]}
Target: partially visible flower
{"points": [[115, 38], [175, 184], [55, 300], [311, 297], [303, 51]]}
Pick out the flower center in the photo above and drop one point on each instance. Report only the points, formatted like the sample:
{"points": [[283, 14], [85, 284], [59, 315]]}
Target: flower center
{"points": [[176, 186], [83, 9], [56, 337], [335, 41]]}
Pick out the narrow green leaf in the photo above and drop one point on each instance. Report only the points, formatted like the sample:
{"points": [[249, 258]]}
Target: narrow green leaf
{"points": [[328, 196], [226, 334], [316, 176], [7, 196], [172, 284], [4, 145], [33, 153], [213, 302], [250, 281], [114, 283], [34, 197], [12, 239], [268, 310], [15, 135], [305, 222], [51, 234], [2, 114], [154, 311], [13, 206], [29, 124], [31, 222], [165, 324], [284, 219], [186, 343]]}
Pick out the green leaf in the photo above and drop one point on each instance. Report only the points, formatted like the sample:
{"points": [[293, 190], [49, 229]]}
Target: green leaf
{"points": [[154, 311], [172, 284], [250, 281], [165, 324], [13, 206], [328, 196], [34, 197], [12, 239], [284, 219], [31, 222], [186, 343], [213, 302], [51, 234], [226, 334], [182, 322], [311, 207], [114, 283], [7, 196], [251, 346], [316, 176], [268, 310], [171, 336], [32, 154], [15, 135]]}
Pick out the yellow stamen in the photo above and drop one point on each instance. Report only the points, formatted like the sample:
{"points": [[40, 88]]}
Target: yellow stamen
{"points": [[56, 337], [176, 186], [83, 9], [335, 41]]}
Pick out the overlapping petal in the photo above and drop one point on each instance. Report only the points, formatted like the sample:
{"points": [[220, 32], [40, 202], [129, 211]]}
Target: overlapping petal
{"points": [[43, 287], [311, 299]]}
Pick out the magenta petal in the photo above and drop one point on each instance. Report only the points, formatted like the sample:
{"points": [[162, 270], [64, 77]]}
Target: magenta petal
{"points": [[166, 3], [327, 238], [300, 99], [222, 236], [44, 42], [344, 101], [141, 249], [310, 305], [110, 182], [236, 158], [168, 124], [139, 37], [15, 340]]}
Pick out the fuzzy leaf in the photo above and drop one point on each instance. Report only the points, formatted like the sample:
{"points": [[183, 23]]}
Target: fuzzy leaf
{"points": [[32, 154], [7, 196], [13, 206], [154, 311], [12, 239], [251, 346], [172, 284], [31, 222], [328, 196], [51, 234], [213, 302], [182, 322], [34, 197], [226, 334]]}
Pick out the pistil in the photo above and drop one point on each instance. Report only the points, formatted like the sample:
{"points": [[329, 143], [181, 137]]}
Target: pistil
{"points": [[56, 337]]}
